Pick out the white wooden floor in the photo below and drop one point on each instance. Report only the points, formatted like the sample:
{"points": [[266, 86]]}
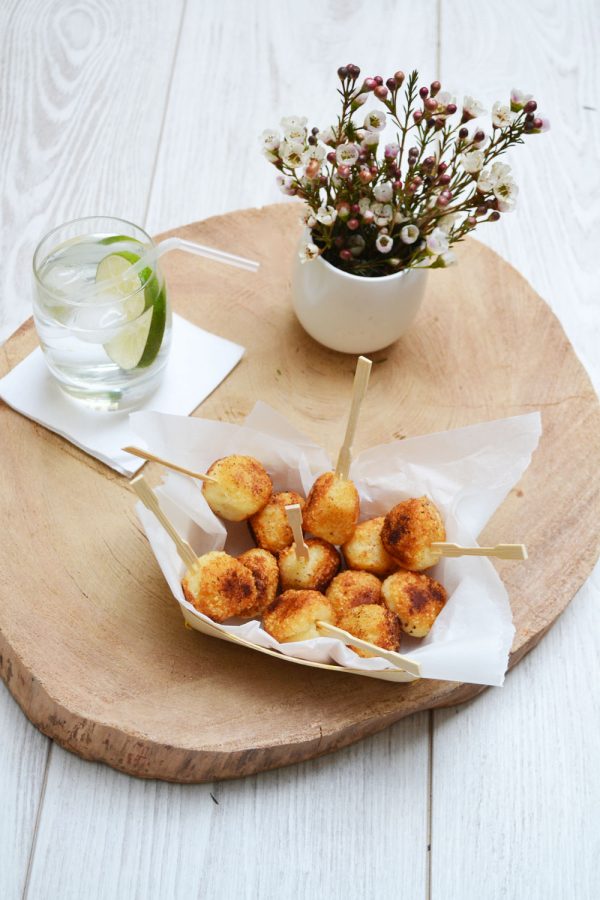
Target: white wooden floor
{"points": [[149, 110]]}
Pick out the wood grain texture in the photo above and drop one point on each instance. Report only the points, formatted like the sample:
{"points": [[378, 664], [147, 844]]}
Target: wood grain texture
{"points": [[101, 695], [316, 830], [23, 754], [82, 100]]}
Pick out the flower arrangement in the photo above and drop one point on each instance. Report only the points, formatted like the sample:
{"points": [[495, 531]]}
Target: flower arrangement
{"points": [[374, 214]]}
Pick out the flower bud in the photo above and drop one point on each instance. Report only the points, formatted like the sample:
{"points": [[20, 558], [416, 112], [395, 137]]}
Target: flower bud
{"points": [[391, 84], [339, 242], [472, 221], [463, 133], [493, 216], [428, 163], [370, 84], [481, 211], [530, 106], [430, 104], [399, 77], [312, 140], [378, 79], [451, 109], [314, 130], [345, 254], [423, 92], [343, 209], [537, 123], [435, 88], [365, 176], [442, 200], [439, 124], [353, 71], [442, 168], [417, 116], [478, 137], [444, 179], [397, 185], [381, 91], [342, 72], [353, 224], [331, 156], [344, 171]]}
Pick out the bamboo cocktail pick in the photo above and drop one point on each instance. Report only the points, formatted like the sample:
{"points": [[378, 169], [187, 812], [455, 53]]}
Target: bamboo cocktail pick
{"points": [[401, 662], [150, 501], [359, 389], [500, 551], [294, 516], [143, 454]]}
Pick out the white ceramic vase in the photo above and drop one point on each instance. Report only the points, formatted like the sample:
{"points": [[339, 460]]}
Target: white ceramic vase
{"points": [[351, 313]]}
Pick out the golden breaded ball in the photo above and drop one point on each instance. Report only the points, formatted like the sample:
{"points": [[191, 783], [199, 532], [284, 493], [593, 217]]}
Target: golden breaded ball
{"points": [[270, 526], [331, 510], [265, 572], [416, 599], [293, 616], [243, 487], [312, 574], [408, 531], [350, 589], [365, 550], [219, 586], [373, 623]]}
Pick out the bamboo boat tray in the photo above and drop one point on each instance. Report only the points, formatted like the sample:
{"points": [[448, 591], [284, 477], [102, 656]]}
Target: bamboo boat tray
{"points": [[77, 576]]}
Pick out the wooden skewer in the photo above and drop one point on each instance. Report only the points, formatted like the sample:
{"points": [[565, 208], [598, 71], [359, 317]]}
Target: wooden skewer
{"points": [[359, 389], [401, 662], [294, 516], [150, 501], [500, 551], [143, 454]]}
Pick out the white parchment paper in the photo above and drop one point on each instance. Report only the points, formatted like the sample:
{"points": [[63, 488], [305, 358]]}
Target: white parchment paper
{"points": [[466, 472]]}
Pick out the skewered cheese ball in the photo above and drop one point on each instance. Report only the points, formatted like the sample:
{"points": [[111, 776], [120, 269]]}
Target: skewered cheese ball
{"points": [[219, 586], [265, 572], [293, 616], [270, 526], [416, 599], [243, 487], [372, 623], [313, 573], [365, 550], [409, 530], [350, 589], [331, 510]]}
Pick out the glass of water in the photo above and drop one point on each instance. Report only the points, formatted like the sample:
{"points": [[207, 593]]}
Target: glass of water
{"points": [[101, 311]]}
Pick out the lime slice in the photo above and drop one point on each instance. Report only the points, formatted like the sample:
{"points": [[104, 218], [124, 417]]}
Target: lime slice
{"points": [[152, 300], [127, 348]]}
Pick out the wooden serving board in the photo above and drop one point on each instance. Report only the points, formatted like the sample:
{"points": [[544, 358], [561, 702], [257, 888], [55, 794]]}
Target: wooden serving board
{"points": [[77, 576]]}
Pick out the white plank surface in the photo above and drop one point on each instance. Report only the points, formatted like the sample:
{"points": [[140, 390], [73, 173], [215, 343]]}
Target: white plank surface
{"points": [[23, 755], [82, 100], [321, 829], [151, 110]]}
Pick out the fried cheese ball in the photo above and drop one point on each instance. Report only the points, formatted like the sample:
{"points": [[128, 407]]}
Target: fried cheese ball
{"points": [[270, 526], [243, 487], [408, 531], [331, 510], [365, 550], [265, 572], [293, 616], [373, 623], [313, 573], [416, 599], [219, 586], [350, 589]]}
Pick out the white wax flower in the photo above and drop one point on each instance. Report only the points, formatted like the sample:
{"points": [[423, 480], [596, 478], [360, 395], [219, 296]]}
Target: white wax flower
{"points": [[356, 244], [292, 153], [472, 161], [370, 139], [437, 242], [472, 107], [270, 139], [308, 251], [506, 191], [346, 154], [501, 115], [286, 185], [327, 136], [375, 120], [384, 243], [409, 234], [383, 213], [448, 258], [446, 223], [313, 152], [518, 98], [326, 215], [296, 133], [364, 204], [293, 122], [489, 177], [383, 191]]}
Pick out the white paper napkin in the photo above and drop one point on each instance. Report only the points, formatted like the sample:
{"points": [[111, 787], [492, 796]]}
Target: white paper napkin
{"points": [[198, 363]]}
